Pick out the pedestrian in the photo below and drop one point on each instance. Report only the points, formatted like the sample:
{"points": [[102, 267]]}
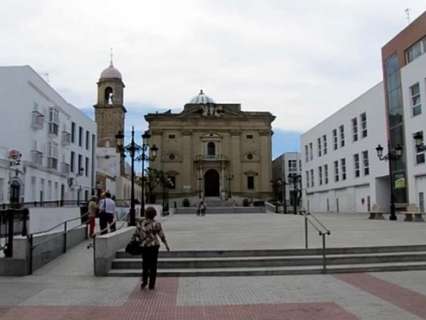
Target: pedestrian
{"points": [[149, 232], [203, 208], [91, 214], [107, 214]]}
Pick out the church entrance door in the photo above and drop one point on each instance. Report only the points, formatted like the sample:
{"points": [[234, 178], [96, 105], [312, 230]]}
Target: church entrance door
{"points": [[211, 183]]}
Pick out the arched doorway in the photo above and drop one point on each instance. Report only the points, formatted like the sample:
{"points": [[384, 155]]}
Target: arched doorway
{"points": [[211, 183]]}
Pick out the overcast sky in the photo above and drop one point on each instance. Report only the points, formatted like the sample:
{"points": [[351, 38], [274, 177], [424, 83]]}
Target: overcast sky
{"points": [[302, 60]]}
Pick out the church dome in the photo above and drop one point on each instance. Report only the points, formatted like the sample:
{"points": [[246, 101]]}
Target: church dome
{"points": [[110, 73], [201, 98]]}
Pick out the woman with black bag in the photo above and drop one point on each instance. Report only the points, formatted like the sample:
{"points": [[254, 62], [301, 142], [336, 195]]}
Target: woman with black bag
{"points": [[149, 231]]}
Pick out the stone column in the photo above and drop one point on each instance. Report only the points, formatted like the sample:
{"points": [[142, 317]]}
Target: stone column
{"points": [[187, 163], [235, 161], [265, 172]]}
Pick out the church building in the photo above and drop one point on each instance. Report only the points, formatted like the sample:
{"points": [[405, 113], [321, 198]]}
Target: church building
{"points": [[214, 150]]}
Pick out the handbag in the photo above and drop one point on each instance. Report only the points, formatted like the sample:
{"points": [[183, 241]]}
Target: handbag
{"points": [[134, 248]]}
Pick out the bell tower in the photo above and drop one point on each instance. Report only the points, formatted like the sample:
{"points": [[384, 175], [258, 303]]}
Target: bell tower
{"points": [[109, 109]]}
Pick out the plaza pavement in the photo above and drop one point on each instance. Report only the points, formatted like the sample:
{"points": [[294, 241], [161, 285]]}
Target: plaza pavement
{"points": [[66, 288]]}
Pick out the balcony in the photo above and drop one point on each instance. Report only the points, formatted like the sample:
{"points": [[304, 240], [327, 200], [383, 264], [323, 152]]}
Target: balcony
{"points": [[207, 158], [37, 157], [53, 128], [65, 168], [37, 120], [52, 163], [66, 138]]}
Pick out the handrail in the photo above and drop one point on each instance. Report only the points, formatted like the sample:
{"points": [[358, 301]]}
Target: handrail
{"points": [[322, 230], [59, 224]]}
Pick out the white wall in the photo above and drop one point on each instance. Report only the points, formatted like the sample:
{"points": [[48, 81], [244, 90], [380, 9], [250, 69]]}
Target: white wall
{"points": [[351, 191], [412, 73]]}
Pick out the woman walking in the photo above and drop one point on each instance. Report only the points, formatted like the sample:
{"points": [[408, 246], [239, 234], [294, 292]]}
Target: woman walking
{"points": [[149, 231], [91, 213]]}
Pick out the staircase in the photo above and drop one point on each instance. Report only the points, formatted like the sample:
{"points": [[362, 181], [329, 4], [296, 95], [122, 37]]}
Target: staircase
{"points": [[219, 263]]}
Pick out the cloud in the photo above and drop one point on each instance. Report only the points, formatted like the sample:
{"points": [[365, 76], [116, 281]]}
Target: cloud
{"points": [[300, 60]]}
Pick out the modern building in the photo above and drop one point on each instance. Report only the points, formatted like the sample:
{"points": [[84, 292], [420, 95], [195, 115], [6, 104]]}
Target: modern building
{"points": [[54, 140], [113, 173], [404, 73], [341, 170], [287, 164], [214, 150]]}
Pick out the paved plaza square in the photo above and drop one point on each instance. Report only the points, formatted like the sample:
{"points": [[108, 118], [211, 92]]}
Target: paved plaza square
{"points": [[67, 289]]}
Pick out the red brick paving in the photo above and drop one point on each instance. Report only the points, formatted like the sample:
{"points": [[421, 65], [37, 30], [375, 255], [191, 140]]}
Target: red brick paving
{"points": [[406, 299], [161, 305]]}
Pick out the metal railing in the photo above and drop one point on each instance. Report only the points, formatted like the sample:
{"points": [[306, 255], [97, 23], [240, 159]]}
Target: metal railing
{"points": [[323, 232], [59, 203]]}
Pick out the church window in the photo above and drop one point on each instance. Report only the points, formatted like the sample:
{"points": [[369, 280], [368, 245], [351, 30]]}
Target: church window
{"points": [[171, 182], [172, 156], [211, 149], [108, 95], [172, 136], [249, 136], [250, 156]]}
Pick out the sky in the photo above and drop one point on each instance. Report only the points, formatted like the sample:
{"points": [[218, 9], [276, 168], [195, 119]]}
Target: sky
{"points": [[301, 60]]}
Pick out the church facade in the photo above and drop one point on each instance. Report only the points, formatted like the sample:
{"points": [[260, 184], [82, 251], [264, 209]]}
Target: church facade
{"points": [[214, 150]]}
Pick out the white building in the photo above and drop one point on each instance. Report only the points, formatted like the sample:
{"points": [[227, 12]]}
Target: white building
{"points": [[341, 170], [288, 163], [56, 140]]}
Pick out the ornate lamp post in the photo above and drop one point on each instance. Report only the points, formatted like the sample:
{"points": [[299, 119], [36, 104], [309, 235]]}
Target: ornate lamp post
{"points": [[151, 156], [392, 155], [132, 149], [295, 179]]}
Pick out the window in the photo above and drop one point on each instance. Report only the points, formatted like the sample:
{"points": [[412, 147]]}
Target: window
{"points": [[319, 147], [73, 132], [354, 129], [211, 149], [311, 152], [312, 178], [342, 135], [87, 166], [335, 144], [172, 156], [172, 136], [52, 159], [306, 153], [420, 155], [324, 144], [80, 164], [364, 124], [292, 165], [72, 161], [356, 165], [415, 102], [365, 163], [80, 136], [336, 171], [53, 121], [250, 156], [320, 175], [415, 51], [307, 179], [326, 173], [87, 140], [250, 182], [172, 182], [343, 168], [249, 136]]}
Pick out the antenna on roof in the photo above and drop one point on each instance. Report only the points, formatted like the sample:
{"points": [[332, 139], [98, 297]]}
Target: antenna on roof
{"points": [[111, 56], [407, 12]]}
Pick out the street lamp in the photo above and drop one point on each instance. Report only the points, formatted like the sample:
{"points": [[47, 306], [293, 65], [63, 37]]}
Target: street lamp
{"points": [[295, 179], [418, 137], [392, 155], [151, 156], [132, 149]]}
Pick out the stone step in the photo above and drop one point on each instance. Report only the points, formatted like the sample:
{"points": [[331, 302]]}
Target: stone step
{"points": [[272, 271], [221, 210], [254, 262], [281, 252]]}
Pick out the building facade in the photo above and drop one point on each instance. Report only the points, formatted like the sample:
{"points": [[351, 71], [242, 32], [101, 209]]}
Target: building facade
{"points": [[288, 163], [341, 170], [55, 141], [404, 72], [214, 150]]}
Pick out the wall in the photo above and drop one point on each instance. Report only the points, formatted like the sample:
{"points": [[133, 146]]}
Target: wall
{"points": [[42, 219]]}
